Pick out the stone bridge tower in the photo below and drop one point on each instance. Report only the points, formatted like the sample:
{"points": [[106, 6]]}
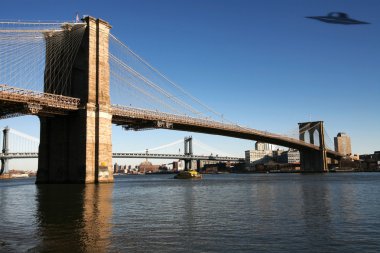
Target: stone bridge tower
{"points": [[77, 148], [313, 160]]}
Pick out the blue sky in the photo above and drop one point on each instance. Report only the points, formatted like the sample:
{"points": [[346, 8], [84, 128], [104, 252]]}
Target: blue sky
{"points": [[260, 63]]}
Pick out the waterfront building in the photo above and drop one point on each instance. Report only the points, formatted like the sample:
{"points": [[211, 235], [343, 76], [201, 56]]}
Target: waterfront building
{"points": [[293, 156], [370, 162], [279, 155], [342, 143], [203, 163], [355, 157], [258, 156], [262, 154], [147, 167], [290, 156], [375, 156]]}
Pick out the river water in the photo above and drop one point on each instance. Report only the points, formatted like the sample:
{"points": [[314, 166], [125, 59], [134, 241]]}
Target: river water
{"points": [[335, 212]]}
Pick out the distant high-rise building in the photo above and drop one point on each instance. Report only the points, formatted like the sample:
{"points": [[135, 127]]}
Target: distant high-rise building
{"points": [[261, 146], [342, 143]]}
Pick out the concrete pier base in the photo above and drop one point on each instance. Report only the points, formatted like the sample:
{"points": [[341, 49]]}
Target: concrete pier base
{"points": [[313, 161]]}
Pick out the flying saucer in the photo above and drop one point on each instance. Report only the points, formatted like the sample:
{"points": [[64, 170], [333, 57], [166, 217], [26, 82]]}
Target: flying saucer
{"points": [[338, 18]]}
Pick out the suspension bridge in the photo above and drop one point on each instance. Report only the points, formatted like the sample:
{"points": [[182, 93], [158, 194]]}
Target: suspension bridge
{"points": [[18, 145], [78, 78]]}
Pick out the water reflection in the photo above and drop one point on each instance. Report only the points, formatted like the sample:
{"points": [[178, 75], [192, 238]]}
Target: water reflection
{"points": [[316, 211], [97, 216], [74, 217], [221, 213], [188, 214]]}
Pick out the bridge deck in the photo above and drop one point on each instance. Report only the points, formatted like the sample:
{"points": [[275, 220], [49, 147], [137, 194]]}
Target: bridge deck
{"points": [[20, 101], [16, 101], [135, 117]]}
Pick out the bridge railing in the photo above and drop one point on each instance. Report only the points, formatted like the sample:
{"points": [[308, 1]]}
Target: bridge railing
{"points": [[34, 97], [19, 155]]}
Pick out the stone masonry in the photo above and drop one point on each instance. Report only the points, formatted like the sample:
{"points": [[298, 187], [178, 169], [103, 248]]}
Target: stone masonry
{"points": [[77, 148]]}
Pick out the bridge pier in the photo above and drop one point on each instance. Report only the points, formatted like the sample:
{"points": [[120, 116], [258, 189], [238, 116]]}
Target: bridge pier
{"points": [[199, 165], [5, 150], [188, 142], [313, 160], [77, 148]]}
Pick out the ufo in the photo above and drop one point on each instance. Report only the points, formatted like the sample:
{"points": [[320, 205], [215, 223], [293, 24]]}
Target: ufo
{"points": [[338, 18]]}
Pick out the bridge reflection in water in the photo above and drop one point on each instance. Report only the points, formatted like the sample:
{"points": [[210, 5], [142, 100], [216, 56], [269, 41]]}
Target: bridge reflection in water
{"points": [[223, 213], [74, 218]]}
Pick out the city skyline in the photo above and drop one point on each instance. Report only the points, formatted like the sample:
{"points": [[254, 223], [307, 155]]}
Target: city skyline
{"points": [[224, 52]]}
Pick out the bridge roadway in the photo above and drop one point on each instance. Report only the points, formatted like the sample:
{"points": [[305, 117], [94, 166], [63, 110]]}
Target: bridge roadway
{"points": [[16, 101], [136, 118], [27, 155]]}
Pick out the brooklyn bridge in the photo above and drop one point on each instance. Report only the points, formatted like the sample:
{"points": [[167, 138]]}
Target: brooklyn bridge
{"points": [[69, 75]]}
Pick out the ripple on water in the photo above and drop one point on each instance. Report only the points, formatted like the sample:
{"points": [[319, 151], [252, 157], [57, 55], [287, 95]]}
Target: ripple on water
{"points": [[221, 213]]}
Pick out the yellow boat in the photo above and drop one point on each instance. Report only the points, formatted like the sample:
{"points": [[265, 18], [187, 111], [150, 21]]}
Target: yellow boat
{"points": [[188, 174]]}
